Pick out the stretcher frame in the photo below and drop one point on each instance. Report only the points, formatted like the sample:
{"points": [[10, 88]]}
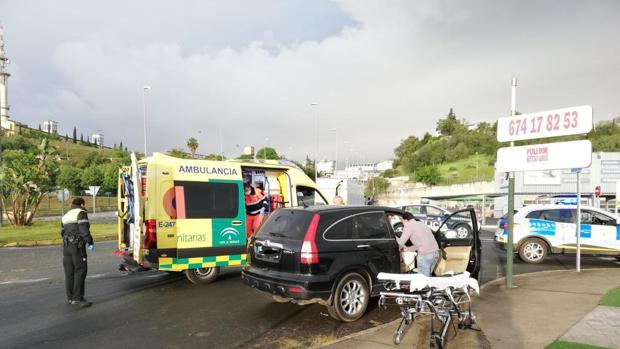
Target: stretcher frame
{"points": [[443, 304]]}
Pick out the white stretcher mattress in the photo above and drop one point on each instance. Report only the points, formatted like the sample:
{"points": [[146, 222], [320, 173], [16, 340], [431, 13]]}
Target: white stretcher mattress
{"points": [[419, 281]]}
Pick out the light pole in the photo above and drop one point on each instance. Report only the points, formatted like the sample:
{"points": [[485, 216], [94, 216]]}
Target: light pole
{"points": [[265, 140], [316, 134], [144, 89], [221, 145], [337, 146]]}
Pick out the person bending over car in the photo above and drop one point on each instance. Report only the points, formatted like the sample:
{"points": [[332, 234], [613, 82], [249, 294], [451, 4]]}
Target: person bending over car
{"points": [[423, 242]]}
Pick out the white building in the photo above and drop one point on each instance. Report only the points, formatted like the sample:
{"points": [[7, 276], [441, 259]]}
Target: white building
{"points": [[385, 165], [50, 127], [327, 167], [97, 138]]}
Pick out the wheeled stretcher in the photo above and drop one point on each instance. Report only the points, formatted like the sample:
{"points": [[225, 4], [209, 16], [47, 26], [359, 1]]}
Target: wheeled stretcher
{"points": [[442, 297]]}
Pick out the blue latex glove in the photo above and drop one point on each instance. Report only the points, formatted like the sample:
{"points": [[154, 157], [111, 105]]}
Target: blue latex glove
{"points": [[91, 248]]}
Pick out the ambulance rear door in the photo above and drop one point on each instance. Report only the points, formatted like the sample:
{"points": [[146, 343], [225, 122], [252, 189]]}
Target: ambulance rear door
{"points": [[210, 213], [135, 227]]}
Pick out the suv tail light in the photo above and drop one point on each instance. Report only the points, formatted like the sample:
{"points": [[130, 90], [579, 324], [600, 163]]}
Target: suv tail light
{"points": [[309, 252], [150, 238]]}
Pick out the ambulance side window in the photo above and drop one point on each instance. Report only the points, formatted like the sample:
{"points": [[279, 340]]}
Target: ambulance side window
{"points": [[308, 197], [207, 200]]}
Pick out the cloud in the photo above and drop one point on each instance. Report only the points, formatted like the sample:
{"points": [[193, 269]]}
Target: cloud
{"points": [[384, 73]]}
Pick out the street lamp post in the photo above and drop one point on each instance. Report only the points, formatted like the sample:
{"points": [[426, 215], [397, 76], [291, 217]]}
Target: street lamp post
{"points": [[265, 140], [144, 89], [337, 147], [316, 134]]}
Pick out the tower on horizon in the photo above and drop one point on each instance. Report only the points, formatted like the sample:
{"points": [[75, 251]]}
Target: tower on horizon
{"points": [[6, 124]]}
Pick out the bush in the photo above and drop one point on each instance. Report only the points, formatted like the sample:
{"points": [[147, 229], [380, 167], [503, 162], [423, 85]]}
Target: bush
{"points": [[428, 175]]}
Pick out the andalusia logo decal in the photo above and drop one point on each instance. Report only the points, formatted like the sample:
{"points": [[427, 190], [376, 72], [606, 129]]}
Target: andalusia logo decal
{"points": [[230, 235]]}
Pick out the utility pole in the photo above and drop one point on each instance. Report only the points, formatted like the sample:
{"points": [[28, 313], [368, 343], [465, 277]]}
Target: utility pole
{"points": [[511, 198], [316, 134]]}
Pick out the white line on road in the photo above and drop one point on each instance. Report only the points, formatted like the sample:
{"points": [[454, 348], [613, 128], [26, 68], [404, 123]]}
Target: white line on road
{"points": [[96, 276], [487, 240], [23, 281]]}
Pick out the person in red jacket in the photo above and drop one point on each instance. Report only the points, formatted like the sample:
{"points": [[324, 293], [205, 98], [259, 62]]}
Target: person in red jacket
{"points": [[254, 203]]}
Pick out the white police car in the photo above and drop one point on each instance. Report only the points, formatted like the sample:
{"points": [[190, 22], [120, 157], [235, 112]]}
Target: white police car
{"points": [[433, 216], [543, 229]]}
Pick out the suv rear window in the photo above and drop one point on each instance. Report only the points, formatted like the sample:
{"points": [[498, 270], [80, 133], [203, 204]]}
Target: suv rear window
{"points": [[286, 224], [206, 199], [365, 226]]}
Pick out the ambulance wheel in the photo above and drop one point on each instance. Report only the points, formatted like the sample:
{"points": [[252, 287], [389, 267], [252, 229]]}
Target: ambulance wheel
{"points": [[533, 251], [202, 276]]}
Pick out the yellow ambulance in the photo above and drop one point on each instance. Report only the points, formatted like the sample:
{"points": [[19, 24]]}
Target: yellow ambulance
{"points": [[189, 215]]}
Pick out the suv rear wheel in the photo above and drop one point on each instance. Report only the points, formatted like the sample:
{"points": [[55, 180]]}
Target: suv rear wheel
{"points": [[533, 251], [350, 298], [202, 275]]}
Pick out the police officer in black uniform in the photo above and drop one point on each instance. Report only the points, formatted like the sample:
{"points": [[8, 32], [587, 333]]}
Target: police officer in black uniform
{"points": [[76, 238]]}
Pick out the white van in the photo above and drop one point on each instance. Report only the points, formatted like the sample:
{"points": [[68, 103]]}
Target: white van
{"points": [[543, 229]]}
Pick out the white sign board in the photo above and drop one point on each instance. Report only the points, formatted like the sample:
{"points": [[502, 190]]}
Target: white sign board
{"points": [[93, 190], [547, 156], [552, 123]]}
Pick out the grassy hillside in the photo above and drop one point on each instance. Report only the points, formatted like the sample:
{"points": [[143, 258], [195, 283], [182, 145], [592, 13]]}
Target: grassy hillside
{"points": [[77, 150], [464, 170]]}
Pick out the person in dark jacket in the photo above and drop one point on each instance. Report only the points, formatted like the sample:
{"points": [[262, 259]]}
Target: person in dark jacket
{"points": [[76, 238]]}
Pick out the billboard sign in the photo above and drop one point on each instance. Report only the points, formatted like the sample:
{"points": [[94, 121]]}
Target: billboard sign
{"points": [[547, 156], [552, 123]]}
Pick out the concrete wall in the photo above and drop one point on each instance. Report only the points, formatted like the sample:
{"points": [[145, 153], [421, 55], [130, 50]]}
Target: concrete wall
{"points": [[406, 193]]}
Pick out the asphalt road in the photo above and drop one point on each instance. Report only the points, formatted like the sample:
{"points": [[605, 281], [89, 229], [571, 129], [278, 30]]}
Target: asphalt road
{"points": [[153, 309]]}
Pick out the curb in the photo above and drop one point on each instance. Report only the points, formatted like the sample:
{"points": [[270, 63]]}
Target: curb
{"points": [[503, 278], [358, 334], [41, 243]]}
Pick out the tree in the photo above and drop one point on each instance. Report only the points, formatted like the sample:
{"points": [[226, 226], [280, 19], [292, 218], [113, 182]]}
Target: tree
{"points": [[71, 178], [216, 157], [82, 137], [428, 175], [25, 176], [178, 153], [192, 144], [376, 186], [450, 125], [308, 168], [74, 134], [109, 183], [92, 176], [120, 146], [267, 153]]}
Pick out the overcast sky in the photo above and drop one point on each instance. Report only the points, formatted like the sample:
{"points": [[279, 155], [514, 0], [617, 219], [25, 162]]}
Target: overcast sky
{"points": [[379, 70]]}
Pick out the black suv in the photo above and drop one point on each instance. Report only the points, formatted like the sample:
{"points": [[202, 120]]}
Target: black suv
{"points": [[332, 255]]}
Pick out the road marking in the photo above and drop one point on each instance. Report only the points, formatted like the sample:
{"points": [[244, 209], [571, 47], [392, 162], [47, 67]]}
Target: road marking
{"points": [[487, 240], [23, 281], [96, 276]]}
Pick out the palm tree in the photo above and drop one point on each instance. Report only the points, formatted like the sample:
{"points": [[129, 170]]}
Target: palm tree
{"points": [[192, 144]]}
